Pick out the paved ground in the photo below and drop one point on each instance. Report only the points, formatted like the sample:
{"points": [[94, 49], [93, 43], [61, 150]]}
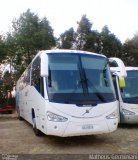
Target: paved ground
{"points": [[17, 137]]}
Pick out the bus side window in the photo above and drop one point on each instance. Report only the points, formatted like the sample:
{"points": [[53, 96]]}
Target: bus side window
{"points": [[28, 75], [37, 80], [115, 86], [41, 86]]}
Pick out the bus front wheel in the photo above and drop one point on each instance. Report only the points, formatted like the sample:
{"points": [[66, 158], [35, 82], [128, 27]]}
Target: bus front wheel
{"points": [[36, 131], [18, 114]]}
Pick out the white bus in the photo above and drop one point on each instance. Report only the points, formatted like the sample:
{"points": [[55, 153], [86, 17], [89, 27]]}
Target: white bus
{"points": [[68, 93], [128, 96]]}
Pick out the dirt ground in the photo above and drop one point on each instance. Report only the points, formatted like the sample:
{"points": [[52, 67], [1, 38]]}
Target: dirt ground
{"points": [[17, 137]]}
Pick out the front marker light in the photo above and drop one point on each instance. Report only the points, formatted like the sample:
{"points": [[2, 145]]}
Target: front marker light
{"points": [[127, 112], [55, 118], [113, 115]]}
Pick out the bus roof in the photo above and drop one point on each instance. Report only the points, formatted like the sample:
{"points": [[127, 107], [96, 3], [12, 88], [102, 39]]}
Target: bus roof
{"points": [[62, 51], [117, 69], [70, 51], [131, 68]]}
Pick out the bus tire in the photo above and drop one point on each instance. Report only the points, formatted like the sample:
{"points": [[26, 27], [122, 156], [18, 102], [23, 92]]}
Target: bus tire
{"points": [[36, 131], [19, 117]]}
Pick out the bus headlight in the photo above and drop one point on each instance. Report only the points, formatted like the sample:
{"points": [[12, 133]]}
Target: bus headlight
{"points": [[56, 118], [126, 112], [113, 115]]}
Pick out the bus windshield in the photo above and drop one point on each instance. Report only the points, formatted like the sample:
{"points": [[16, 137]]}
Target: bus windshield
{"points": [[79, 79], [130, 92]]}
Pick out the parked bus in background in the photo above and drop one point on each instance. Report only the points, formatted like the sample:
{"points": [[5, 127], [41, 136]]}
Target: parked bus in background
{"points": [[127, 96], [67, 93]]}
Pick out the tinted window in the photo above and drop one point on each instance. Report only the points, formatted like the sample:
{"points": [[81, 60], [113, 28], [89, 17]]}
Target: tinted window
{"points": [[79, 77]]}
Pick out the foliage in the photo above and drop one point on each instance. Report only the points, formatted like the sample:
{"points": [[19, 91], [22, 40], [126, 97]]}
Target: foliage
{"points": [[29, 34], [91, 40], [6, 87], [32, 34], [111, 46], [131, 51], [83, 31], [67, 39], [3, 52]]}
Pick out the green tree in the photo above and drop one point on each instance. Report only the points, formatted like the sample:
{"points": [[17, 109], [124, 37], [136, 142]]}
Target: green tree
{"points": [[32, 34], [66, 39], [45, 35], [86, 38], [2, 48], [12, 58], [110, 45], [82, 33], [28, 35], [92, 42], [130, 50]]}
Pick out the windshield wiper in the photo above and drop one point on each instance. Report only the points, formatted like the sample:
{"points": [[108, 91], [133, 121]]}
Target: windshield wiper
{"points": [[83, 77], [104, 75], [74, 91], [84, 82], [99, 95]]}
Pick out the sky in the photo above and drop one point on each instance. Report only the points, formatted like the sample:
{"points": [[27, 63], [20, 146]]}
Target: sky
{"points": [[121, 16]]}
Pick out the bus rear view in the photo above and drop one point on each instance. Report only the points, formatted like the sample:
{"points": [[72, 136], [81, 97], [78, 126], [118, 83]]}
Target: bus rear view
{"points": [[74, 95]]}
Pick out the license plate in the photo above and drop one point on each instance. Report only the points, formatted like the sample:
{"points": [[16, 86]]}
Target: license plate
{"points": [[87, 127]]}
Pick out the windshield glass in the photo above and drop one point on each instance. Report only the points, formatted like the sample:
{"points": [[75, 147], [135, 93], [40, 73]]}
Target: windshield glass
{"points": [[130, 92], [79, 79]]}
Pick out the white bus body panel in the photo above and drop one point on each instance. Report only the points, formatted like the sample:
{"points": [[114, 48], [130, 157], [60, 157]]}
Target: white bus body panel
{"points": [[133, 119], [79, 122], [93, 123], [127, 118]]}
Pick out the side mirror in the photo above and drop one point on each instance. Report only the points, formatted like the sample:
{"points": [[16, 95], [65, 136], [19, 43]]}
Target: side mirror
{"points": [[44, 65], [117, 65], [122, 82]]}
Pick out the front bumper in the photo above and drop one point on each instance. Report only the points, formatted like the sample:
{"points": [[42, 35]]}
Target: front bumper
{"points": [[84, 127], [130, 119]]}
